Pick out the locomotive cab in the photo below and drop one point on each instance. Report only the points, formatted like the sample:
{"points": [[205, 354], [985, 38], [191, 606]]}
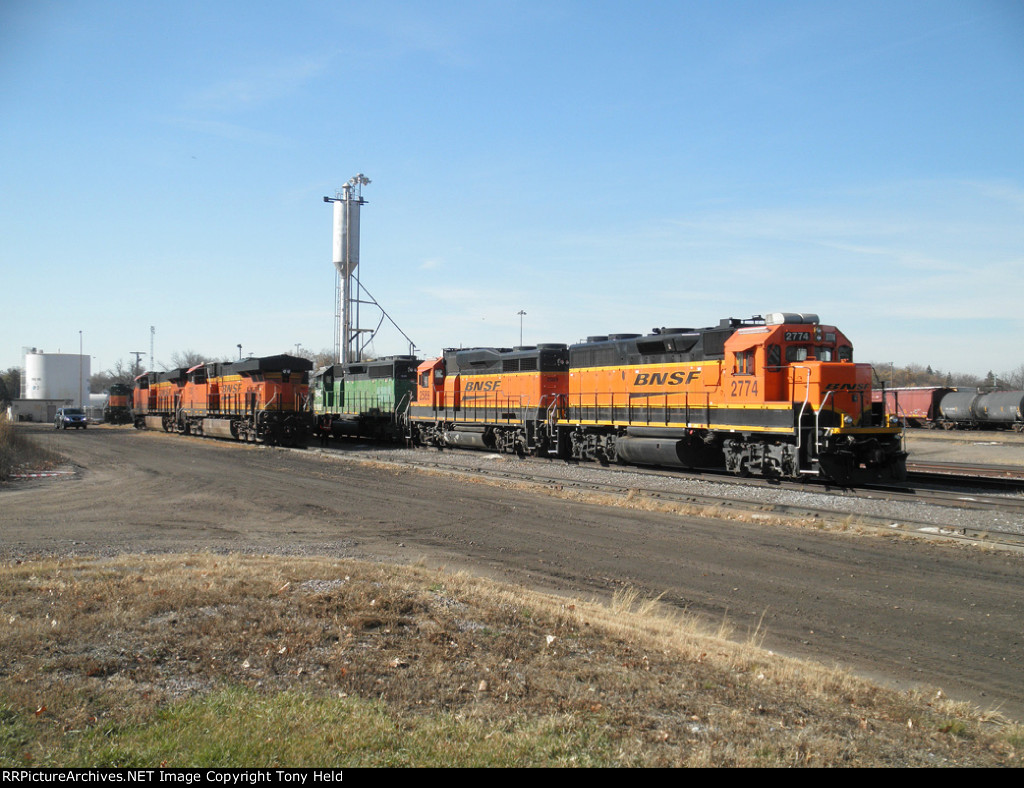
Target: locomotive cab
{"points": [[430, 384]]}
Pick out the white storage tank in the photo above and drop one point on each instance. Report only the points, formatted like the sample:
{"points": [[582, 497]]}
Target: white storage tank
{"points": [[56, 376]]}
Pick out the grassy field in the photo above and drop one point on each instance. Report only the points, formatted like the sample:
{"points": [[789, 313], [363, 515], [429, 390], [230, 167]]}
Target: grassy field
{"points": [[230, 660]]}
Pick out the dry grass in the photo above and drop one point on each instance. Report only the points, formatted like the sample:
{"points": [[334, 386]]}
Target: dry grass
{"points": [[20, 454], [232, 660]]}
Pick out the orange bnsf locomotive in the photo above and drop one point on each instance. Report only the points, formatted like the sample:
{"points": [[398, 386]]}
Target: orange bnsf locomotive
{"points": [[777, 396], [259, 400]]}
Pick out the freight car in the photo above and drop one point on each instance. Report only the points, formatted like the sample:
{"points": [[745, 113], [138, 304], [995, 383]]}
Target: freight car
{"points": [[999, 410], [259, 400], [777, 396], [914, 406], [954, 408], [118, 408]]}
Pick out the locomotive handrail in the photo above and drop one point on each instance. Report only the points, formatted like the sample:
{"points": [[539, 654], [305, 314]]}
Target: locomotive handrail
{"points": [[266, 407], [803, 407], [817, 422]]}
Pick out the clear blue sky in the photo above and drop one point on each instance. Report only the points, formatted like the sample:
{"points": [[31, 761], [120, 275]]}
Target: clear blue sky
{"points": [[604, 166]]}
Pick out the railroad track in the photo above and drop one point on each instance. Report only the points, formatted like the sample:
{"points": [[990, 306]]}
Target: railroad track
{"points": [[641, 489], [1001, 477]]}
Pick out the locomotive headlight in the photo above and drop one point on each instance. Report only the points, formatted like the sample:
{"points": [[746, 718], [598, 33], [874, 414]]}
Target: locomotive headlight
{"points": [[847, 421]]}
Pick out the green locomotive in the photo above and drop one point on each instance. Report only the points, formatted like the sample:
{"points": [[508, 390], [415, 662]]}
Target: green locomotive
{"points": [[363, 399]]}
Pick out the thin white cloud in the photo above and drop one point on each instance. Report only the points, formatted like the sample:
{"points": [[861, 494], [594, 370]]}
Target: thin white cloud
{"points": [[259, 86], [228, 131]]}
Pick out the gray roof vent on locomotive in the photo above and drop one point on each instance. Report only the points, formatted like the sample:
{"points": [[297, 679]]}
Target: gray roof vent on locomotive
{"points": [[778, 318]]}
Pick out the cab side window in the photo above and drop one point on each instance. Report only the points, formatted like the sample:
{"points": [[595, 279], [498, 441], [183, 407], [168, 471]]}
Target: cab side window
{"points": [[745, 363]]}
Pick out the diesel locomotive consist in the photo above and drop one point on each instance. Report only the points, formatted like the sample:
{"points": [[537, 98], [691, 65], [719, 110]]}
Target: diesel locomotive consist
{"points": [[776, 396], [259, 400]]}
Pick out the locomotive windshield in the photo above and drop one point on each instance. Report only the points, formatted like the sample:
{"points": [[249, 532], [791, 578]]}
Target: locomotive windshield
{"points": [[819, 352]]}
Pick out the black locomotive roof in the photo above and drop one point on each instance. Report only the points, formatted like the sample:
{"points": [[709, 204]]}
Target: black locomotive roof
{"points": [[269, 364], [551, 357], [386, 367], [662, 345], [171, 374]]}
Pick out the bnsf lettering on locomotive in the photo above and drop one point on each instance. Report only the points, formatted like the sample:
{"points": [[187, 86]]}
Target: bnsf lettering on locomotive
{"points": [[798, 336], [677, 378], [847, 387], [483, 385]]}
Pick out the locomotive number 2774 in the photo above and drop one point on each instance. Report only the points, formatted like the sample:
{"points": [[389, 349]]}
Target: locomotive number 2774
{"points": [[744, 388]]}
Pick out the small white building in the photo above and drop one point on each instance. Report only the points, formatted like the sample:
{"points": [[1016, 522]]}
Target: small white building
{"points": [[36, 409]]}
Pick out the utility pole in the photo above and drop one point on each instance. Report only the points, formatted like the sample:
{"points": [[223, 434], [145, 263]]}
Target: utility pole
{"points": [[520, 313]]}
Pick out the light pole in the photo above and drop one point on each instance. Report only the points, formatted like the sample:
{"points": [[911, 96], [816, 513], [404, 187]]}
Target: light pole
{"points": [[81, 403], [239, 351], [520, 313]]}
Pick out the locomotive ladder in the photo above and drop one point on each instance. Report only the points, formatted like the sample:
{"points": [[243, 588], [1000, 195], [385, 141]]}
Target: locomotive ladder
{"points": [[402, 415], [551, 421], [800, 424]]}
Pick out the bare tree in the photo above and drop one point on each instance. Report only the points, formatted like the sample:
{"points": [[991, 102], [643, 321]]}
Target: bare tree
{"points": [[1014, 378], [186, 359], [322, 359], [123, 372]]}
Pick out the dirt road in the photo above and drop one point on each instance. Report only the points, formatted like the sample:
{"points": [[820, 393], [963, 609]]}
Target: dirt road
{"points": [[908, 611]]}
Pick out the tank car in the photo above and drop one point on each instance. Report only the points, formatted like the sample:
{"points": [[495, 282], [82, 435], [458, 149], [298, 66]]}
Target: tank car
{"points": [[956, 408], [259, 400], [777, 396], [1000, 409]]}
